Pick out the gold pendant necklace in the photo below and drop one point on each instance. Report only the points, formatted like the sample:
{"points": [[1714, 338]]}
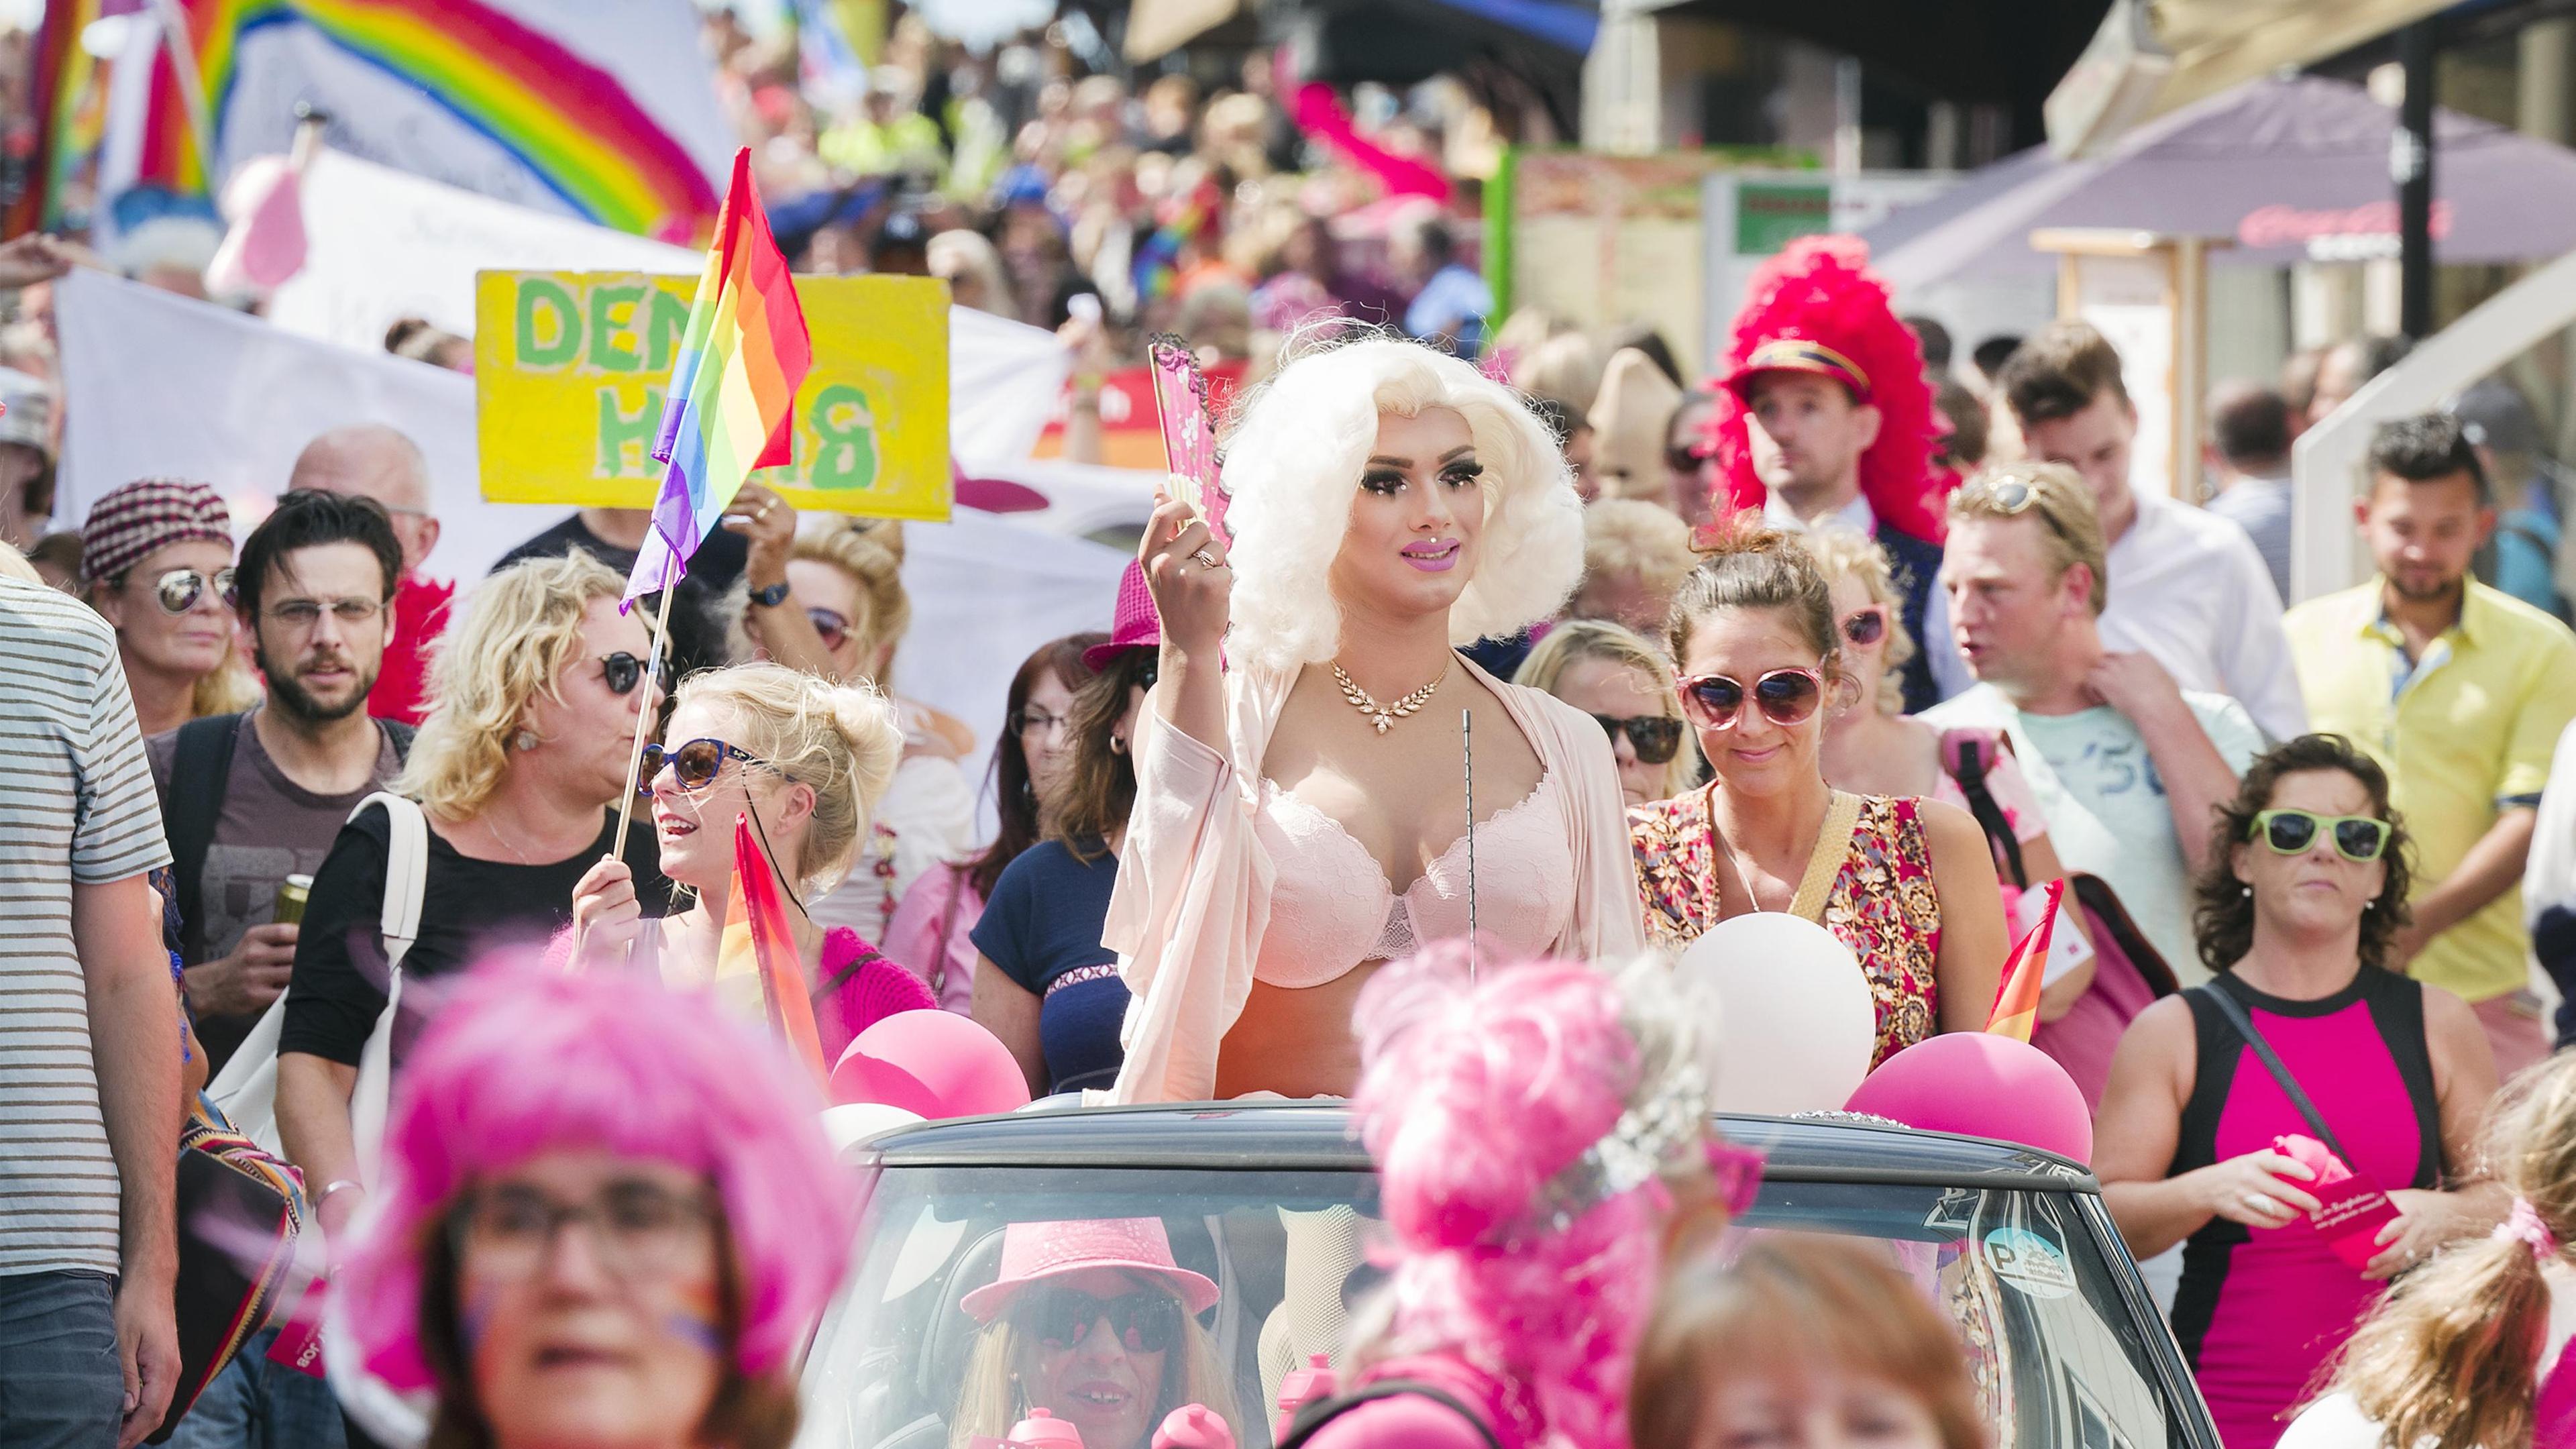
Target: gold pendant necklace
{"points": [[1384, 715]]}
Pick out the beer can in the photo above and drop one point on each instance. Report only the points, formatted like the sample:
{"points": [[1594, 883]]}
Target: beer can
{"points": [[291, 893]]}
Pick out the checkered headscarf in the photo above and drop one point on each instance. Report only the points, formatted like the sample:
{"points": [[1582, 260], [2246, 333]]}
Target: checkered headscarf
{"points": [[146, 514]]}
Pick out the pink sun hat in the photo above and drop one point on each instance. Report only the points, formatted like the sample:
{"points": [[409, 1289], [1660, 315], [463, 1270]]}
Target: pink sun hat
{"points": [[1136, 625], [1034, 1252]]}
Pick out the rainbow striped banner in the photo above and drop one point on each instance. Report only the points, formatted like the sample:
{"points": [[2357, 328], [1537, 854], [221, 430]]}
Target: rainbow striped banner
{"points": [[571, 123], [67, 108], [731, 404]]}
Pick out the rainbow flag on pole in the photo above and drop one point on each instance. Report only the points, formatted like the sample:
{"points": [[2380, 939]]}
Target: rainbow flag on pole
{"points": [[731, 405], [758, 943], [2016, 1011]]}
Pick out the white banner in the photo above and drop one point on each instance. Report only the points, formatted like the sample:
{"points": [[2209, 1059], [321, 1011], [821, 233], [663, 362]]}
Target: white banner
{"points": [[650, 47], [382, 245], [156, 384]]}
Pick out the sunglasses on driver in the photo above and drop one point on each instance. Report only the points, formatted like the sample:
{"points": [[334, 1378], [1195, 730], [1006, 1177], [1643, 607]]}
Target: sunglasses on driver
{"points": [[1146, 1321]]}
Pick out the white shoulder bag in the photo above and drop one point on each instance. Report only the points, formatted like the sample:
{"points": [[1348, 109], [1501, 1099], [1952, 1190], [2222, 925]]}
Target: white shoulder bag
{"points": [[247, 1087]]}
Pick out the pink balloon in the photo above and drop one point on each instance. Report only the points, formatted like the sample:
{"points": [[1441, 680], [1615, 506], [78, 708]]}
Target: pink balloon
{"points": [[1979, 1084], [936, 1063]]}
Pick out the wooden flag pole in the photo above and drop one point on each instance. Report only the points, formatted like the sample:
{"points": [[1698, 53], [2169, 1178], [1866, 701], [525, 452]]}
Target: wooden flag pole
{"points": [[643, 712]]}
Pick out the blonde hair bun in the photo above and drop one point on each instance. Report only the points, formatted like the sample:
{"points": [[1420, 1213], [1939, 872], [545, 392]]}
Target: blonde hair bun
{"points": [[872, 726]]}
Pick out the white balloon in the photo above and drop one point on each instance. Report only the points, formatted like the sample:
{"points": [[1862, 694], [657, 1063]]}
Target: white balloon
{"points": [[855, 1122], [1794, 1019]]}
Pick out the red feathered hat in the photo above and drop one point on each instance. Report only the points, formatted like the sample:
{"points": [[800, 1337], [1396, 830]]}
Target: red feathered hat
{"points": [[1817, 307]]}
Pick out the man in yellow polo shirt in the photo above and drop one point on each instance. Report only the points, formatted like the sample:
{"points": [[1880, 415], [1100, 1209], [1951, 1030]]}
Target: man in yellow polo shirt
{"points": [[2460, 692]]}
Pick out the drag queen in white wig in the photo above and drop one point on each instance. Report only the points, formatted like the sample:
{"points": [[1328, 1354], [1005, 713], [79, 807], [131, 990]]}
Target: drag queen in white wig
{"points": [[1303, 799]]}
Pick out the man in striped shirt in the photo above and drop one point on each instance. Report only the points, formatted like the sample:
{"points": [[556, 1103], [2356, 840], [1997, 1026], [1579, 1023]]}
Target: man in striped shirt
{"points": [[89, 1044]]}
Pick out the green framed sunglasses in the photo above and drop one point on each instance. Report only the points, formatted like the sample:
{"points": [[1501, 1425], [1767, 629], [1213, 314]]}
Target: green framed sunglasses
{"points": [[2289, 832]]}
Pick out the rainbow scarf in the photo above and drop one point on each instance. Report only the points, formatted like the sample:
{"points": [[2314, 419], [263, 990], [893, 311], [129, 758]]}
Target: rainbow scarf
{"points": [[759, 945], [731, 405], [571, 123]]}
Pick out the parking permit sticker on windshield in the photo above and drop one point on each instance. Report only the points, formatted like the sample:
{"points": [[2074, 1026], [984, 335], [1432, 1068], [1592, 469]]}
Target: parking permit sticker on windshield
{"points": [[2029, 1263]]}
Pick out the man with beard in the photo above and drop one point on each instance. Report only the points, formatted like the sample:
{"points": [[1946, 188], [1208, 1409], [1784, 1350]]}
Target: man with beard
{"points": [[370, 460], [250, 799], [2460, 692]]}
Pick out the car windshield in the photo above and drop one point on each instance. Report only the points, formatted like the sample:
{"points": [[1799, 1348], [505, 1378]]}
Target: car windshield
{"points": [[913, 1358]]}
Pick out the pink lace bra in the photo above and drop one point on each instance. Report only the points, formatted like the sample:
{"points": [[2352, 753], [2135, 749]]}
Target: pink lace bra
{"points": [[1331, 908]]}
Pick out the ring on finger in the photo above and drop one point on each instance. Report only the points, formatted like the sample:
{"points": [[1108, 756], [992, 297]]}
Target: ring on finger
{"points": [[2261, 1203], [1205, 561]]}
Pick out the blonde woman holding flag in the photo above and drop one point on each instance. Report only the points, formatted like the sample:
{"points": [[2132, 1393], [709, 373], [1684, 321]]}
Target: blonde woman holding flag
{"points": [[802, 763]]}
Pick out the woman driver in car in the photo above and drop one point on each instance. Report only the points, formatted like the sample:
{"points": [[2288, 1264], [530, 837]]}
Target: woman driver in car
{"points": [[1096, 1324]]}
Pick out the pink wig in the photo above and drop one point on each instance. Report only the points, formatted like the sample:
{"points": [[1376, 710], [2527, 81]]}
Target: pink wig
{"points": [[522, 1061], [1820, 289], [1473, 1098]]}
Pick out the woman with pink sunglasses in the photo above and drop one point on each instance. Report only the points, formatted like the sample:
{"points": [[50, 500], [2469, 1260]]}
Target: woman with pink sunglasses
{"points": [[1906, 883]]}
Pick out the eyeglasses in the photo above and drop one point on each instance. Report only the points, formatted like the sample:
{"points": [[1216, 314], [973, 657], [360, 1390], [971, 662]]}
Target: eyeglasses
{"points": [[1039, 722], [180, 589], [302, 614], [1682, 460], [1657, 737], [828, 623], [638, 1229], [2289, 832], [623, 671], [696, 763], [1785, 697], [2010, 498], [1145, 1321], [1864, 627]]}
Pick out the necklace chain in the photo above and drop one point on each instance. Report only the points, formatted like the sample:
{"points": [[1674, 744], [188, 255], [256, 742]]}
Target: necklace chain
{"points": [[1384, 715]]}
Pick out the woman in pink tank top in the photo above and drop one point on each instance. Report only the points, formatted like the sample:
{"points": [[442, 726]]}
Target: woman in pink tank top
{"points": [[1907, 884], [2306, 891], [1303, 807]]}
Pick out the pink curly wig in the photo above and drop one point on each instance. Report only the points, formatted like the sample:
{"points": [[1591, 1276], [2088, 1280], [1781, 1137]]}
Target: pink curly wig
{"points": [[523, 1061], [1472, 1097], [1820, 289]]}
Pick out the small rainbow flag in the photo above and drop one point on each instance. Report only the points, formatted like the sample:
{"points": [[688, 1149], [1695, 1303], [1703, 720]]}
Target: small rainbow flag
{"points": [[571, 122], [759, 943], [731, 405], [67, 108], [2016, 1012]]}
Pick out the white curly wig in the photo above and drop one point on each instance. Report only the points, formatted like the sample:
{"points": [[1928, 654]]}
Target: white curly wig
{"points": [[1293, 463]]}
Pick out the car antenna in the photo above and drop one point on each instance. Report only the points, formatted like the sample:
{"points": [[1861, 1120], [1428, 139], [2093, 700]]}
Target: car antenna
{"points": [[1467, 734]]}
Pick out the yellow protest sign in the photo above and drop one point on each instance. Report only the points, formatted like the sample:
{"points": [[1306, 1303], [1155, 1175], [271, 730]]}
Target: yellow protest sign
{"points": [[570, 367]]}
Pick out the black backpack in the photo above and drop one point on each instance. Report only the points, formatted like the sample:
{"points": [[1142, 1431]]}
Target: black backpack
{"points": [[201, 767]]}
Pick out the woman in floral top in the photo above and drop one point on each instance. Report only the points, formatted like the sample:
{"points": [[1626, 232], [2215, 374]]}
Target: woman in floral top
{"points": [[1907, 884]]}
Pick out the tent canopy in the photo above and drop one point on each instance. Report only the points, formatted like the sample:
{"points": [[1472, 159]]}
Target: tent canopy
{"points": [[2289, 168]]}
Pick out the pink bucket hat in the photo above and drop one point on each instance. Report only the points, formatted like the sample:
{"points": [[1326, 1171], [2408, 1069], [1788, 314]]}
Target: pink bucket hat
{"points": [[1136, 625], [130, 522], [1033, 1252]]}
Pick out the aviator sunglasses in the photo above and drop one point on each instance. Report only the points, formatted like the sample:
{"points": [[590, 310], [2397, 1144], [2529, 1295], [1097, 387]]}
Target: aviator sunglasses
{"points": [[1145, 1321], [694, 764], [2289, 832], [180, 589], [1785, 697], [1657, 737]]}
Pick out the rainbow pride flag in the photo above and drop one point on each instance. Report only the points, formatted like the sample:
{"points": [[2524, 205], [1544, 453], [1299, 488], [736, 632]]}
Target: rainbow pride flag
{"points": [[67, 108], [731, 404], [571, 123], [758, 943], [2016, 1010]]}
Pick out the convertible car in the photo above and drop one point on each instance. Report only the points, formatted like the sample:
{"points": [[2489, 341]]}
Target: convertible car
{"points": [[1275, 1204]]}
